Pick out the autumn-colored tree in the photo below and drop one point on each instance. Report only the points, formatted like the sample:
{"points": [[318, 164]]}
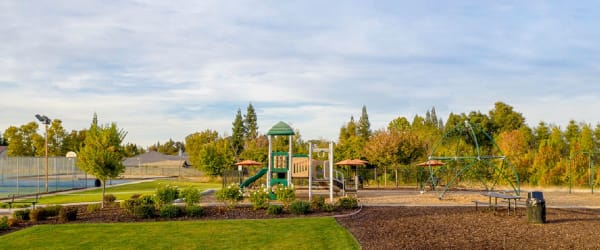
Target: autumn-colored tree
{"points": [[383, 149], [516, 147], [548, 171]]}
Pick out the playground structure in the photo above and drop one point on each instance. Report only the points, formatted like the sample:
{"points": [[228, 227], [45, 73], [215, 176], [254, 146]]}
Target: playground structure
{"points": [[283, 166], [463, 150]]}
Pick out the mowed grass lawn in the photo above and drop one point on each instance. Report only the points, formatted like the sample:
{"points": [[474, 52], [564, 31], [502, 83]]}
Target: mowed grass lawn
{"points": [[294, 233], [124, 191]]}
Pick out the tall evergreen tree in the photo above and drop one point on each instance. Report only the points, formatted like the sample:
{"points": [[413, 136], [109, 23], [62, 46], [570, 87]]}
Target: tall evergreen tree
{"points": [[251, 123], [364, 126], [542, 132], [572, 132], [237, 136]]}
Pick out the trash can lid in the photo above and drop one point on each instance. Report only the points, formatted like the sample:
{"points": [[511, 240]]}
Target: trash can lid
{"points": [[536, 195]]}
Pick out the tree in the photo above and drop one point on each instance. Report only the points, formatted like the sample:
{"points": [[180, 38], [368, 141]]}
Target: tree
{"points": [[208, 152], [169, 148], [237, 136], [74, 141], [256, 149], [24, 140], [382, 150], [251, 123], [399, 124], [515, 145], [56, 138], [504, 118], [350, 145], [102, 154], [131, 150], [541, 133], [572, 132], [364, 126]]}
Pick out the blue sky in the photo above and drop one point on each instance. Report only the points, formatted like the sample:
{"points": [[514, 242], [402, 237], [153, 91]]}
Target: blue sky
{"points": [[165, 69]]}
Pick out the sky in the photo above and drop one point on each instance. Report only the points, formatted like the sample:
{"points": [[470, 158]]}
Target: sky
{"points": [[165, 69]]}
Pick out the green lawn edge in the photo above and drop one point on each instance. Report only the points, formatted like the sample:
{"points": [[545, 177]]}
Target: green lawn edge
{"points": [[123, 191], [292, 233]]}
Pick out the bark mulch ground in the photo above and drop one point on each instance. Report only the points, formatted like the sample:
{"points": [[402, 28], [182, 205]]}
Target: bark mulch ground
{"points": [[408, 227], [465, 228]]}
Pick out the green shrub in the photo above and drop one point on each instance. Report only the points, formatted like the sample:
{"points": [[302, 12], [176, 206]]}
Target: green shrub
{"points": [[67, 214], [328, 207], [166, 194], [230, 195], [275, 209], [299, 207], [4, 223], [260, 198], [135, 196], [38, 214], [191, 196], [347, 203], [146, 200], [3, 205], [317, 202], [144, 211], [170, 211], [22, 215], [93, 207], [109, 198], [194, 211], [52, 211], [285, 194], [130, 205]]}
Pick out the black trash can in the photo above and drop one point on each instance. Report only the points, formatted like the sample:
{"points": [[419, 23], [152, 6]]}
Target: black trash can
{"points": [[97, 183], [536, 207]]}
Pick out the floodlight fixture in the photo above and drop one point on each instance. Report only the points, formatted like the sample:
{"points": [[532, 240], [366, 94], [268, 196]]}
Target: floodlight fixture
{"points": [[46, 121]]}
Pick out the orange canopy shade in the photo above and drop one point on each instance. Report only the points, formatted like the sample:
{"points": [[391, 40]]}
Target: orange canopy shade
{"points": [[433, 163], [352, 162], [248, 163]]}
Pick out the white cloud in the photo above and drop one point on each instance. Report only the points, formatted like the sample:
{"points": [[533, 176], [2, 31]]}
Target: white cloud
{"points": [[164, 70]]}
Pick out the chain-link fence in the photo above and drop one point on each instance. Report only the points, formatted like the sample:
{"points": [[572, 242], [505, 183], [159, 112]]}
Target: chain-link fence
{"points": [[150, 172], [27, 175]]}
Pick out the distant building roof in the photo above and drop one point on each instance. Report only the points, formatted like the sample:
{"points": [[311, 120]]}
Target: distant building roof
{"points": [[156, 159]]}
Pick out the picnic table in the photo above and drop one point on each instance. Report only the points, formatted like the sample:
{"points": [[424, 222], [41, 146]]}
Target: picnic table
{"points": [[496, 195]]}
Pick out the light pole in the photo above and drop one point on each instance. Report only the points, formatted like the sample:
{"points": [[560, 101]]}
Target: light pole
{"points": [[46, 121]]}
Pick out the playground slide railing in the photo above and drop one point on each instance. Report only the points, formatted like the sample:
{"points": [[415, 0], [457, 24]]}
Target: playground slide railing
{"points": [[339, 178]]}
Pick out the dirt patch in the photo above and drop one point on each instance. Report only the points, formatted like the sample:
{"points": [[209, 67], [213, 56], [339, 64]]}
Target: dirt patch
{"points": [[464, 228]]}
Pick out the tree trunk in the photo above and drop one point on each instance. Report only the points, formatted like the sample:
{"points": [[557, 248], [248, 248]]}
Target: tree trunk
{"points": [[103, 191], [396, 172], [385, 177]]}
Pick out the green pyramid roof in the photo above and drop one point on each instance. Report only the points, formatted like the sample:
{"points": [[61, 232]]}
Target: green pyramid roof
{"points": [[281, 128]]}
